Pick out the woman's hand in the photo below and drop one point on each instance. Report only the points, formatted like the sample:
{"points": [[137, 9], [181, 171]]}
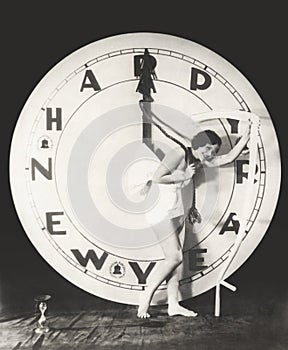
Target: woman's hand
{"points": [[255, 121], [190, 171], [181, 176]]}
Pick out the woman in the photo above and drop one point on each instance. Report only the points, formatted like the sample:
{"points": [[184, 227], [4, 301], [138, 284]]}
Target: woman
{"points": [[174, 173]]}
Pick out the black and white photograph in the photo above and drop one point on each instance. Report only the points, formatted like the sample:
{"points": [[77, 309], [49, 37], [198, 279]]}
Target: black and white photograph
{"points": [[143, 178]]}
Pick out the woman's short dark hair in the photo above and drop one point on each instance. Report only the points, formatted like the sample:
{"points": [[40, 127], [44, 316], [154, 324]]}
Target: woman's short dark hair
{"points": [[206, 137]]}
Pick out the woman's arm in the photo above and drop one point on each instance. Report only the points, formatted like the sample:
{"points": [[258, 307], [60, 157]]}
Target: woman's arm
{"points": [[167, 172], [177, 176], [235, 152]]}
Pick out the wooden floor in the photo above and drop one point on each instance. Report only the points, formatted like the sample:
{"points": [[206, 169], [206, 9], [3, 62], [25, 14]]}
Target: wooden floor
{"points": [[119, 328]]}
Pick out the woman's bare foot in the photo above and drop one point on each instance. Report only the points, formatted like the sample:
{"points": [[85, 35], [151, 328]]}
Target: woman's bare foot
{"points": [[144, 302], [176, 309]]}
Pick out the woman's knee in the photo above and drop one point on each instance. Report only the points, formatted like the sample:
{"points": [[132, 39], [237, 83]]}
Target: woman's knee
{"points": [[175, 258]]}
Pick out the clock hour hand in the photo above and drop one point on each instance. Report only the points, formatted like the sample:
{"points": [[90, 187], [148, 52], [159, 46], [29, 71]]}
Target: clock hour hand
{"points": [[145, 70]]}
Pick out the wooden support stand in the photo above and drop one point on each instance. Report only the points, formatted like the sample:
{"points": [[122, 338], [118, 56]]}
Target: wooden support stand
{"points": [[218, 296]]}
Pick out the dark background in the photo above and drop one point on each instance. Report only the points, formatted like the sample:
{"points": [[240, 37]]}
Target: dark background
{"points": [[36, 36]]}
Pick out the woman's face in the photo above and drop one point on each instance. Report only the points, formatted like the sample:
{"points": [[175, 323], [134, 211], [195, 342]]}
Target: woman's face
{"points": [[208, 152]]}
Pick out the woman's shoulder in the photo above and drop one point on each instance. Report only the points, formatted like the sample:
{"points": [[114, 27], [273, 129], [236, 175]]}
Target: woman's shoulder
{"points": [[178, 151], [174, 156]]}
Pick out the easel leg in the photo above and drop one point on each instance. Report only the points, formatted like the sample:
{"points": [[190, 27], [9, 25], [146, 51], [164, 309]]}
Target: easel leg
{"points": [[217, 295], [217, 300]]}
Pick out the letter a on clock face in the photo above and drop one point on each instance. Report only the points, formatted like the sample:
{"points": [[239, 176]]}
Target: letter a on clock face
{"points": [[84, 150]]}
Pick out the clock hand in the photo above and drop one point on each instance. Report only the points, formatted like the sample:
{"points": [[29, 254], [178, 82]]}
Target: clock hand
{"points": [[193, 215], [144, 66], [145, 69]]}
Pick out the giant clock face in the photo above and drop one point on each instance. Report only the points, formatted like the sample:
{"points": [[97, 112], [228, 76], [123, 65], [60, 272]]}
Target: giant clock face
{"points": [[81, 153]]}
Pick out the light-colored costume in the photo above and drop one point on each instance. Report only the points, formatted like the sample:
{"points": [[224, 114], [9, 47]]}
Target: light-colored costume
{"points": [[169, 203], [160, 201]]}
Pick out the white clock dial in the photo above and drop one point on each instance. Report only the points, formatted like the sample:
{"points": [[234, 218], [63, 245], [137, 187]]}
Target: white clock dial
{"points": [[78, 161]]}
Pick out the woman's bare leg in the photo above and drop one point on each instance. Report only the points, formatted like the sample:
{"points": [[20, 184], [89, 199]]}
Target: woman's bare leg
{"points": [[173, 257], [173, 286], [172, 291]]}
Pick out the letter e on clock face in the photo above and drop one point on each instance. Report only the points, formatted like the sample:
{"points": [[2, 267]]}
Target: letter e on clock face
{"points": [[82, 150]]}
